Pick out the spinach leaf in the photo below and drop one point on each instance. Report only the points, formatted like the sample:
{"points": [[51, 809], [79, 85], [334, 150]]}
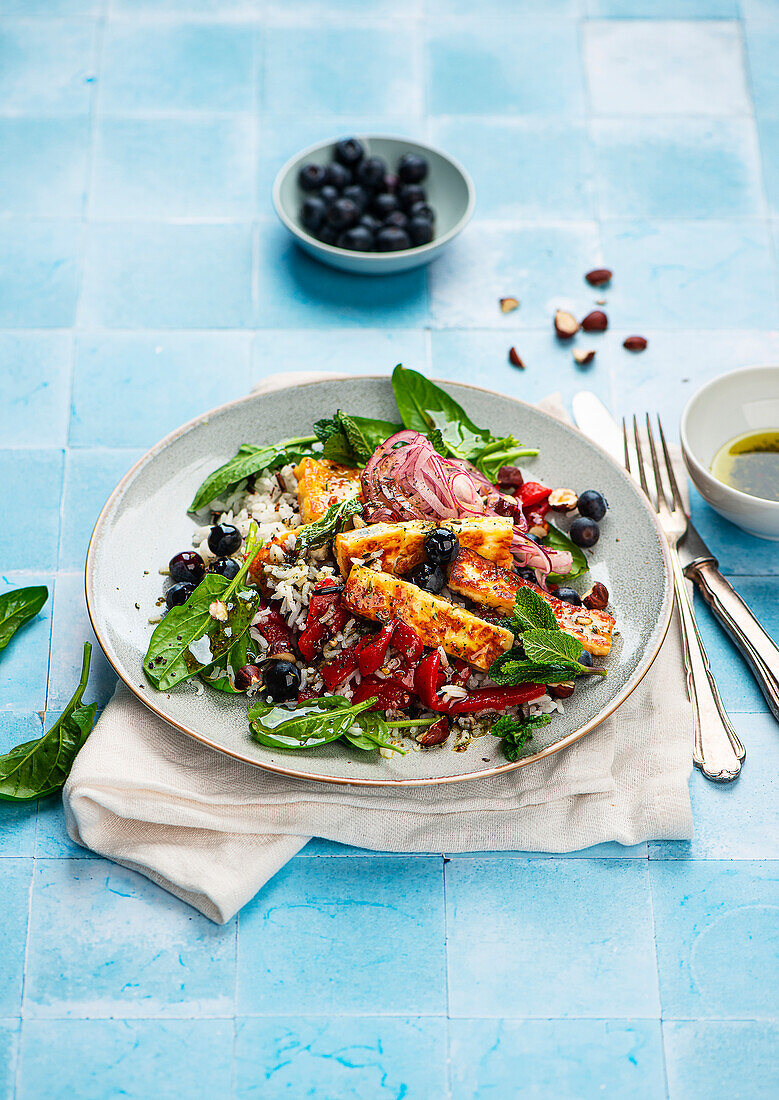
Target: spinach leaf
{"points": [[516, 732], [250, 460], [17, 608], [558, 540], [530, 611], [321, 531], [39, 768], [319, 721], [221, 676], [352, 440]]}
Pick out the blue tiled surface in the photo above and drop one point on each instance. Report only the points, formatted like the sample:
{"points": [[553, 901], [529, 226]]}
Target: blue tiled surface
{"points": [[143, 279]]}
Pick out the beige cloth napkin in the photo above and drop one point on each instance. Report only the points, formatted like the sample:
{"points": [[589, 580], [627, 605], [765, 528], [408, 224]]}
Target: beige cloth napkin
{"points": [[212, 831]]}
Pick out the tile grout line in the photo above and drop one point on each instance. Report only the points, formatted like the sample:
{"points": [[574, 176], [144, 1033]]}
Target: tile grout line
{"points": [[657, 971], [22, 1010]]}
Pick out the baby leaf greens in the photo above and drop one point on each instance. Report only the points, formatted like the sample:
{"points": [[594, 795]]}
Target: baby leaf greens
{"points": [[516, 732], [17, 608], [39, 768], [250, 460], [558, 540], [425, 407], [323, 530], [319, 721], [351, 440]]}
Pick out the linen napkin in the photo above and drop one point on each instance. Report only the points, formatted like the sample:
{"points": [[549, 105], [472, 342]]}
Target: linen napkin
{"points": [[212, 830]]}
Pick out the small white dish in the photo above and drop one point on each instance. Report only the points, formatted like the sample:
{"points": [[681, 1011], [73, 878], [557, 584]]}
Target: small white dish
{"points": [[741, 401]]}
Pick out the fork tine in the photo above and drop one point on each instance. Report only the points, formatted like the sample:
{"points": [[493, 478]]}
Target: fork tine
{"points": [[625, 443], [640, 457], [677, 496], [655, 465]]}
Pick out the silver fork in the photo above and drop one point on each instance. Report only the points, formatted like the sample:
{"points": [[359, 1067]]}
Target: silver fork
{"points": [[717, 750]]}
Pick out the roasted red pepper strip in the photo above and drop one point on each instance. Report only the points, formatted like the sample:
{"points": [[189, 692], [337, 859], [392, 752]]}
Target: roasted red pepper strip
{"points": [[461, 673], [497, 698], [533, 493], [275, 631], [326, 595], [373, 655], [335, 671], [308, 693], [407, 642], [428, 679], [391, 694]]}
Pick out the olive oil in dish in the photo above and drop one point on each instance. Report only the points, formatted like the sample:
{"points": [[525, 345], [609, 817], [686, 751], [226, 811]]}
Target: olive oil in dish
{"points": [[750, 463]]}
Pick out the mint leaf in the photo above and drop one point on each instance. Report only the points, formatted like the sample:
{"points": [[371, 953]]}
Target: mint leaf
{"points": [[531, 611], [551, 646], [324, 529], [516, 732]]}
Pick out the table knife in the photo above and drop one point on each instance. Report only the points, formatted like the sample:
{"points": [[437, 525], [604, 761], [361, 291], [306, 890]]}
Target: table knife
{"points": [[756, 647]]}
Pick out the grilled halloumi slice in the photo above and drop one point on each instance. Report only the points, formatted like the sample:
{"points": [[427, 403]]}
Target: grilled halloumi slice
{"points": [[322, 483], [484, 583], [382, 597], [402, 544]]}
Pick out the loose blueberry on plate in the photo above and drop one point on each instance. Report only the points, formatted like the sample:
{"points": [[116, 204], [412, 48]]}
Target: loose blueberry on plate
{"points": [[187, 566], [527, 575], [397, 218], [356, 239], [412, 168], [584, 531], [224, 540], [428, 576], [357, 194], [410, 194], [585, 659], [281, 680], [311, 177], [225, 567], [349, 151], [343, 214], [178, 594], [569, 595], [422, 210], [392, 239], [592, 504], [370, 172], [313, 213], [328, 194], [441, 546], [420, 230], [338, 176], [383, 205]]}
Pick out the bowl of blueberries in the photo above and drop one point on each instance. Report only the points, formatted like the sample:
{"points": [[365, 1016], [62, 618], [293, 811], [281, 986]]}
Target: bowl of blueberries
{"points": [[373, 205]]}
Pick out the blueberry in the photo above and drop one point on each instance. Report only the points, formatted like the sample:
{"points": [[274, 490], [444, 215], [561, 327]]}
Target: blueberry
{"points": [[397, 218], [392, 239], [281, 680], [533, 538], [441, 546], [328, 194], [311, 177], [371, 223], [383, 205], [592, 504], [356, 239], [178, 594], [357, 194], [328, 235], [224, 540], [312, 213], [527, 575], [428, 576], [584, 531], [422, 210], [420, 230], [412, 168], [410, 194], [225, 567], [569, 595], [348, 151], [585, 659], [338, 176], [343, 214], [187, 566], [370, 172]]}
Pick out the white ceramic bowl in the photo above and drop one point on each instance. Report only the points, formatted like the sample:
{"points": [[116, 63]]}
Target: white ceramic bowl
{"points": [[449, 190], [744, 400]]}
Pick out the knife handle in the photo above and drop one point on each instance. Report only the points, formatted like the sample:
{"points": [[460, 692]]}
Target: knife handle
{"points": [[756, 647]]}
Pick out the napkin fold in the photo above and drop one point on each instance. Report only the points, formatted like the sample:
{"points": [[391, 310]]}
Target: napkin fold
{"points": [[212, 830]]}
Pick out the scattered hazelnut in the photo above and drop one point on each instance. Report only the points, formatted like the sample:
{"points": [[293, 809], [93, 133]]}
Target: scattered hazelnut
{"points": [[583, 357], [599, 277], [563, 500], [247, 677], [537, 525], [508, 304], [435, 734], [515, 360], [561, 691], [565, 324], [597, 598], [597, 321], [634, 343]]}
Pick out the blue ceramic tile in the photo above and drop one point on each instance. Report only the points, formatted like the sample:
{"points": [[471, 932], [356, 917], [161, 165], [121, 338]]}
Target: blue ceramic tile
{"points": [[48, 8], [17, 833], [768, 129], [734, 549], [177, 168], [25, 661], [759, 9], [47, 68], [530, 67], [566, 1059], [707, 1060], [515, 926], [665, 9], [677, 168], [30, 542], [734, 820], [317, 11], [678, 274], [16, 901], [296, 291], [34, 387], [497, 9], [90, 478], [44, 166], [168, 276], [343, 936], [326, 67], [522, 168], [762, 40], [354, 1060], [9, 1044], [51, 835], [143, 9], [188, 373], [38, 273], [136, 1059], [349, 351], [707, 913], [131, 950], [665, 68], [541, 265], [178, 67], [70, 630]]}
